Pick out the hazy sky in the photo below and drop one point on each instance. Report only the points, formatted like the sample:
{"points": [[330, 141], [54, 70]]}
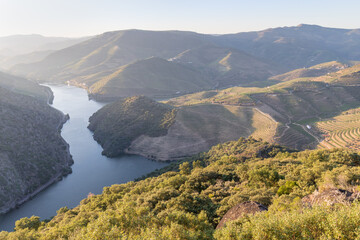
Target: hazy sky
{"points": [[75, 18]]}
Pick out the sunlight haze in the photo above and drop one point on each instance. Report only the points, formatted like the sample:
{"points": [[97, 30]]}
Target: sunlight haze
{"points": [[83, 18]]}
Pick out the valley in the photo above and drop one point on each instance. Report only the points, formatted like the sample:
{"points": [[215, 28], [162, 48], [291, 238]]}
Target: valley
{"points": [[90, 172], [267, 119]]}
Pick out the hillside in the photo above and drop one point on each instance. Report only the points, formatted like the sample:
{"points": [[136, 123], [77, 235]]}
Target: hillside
{"points": [[313, 71], [299, 46], [153, 77], [243, 59], [24, 86], [32, 153], [293, 104], [116, 125], [141, 126], [92, 63], [109, 51], [285, 113], [189, 199], [228, 67]]}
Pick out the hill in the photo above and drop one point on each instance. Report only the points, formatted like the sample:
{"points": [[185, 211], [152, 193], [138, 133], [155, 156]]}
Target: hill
{"points": [[109, 51], [32, 153], [297, 47], [285, 113], [116, 125], [188, 199], [8, 62], [153, 77], [26, 87], [242, 59], [294, 104], [93, 62], [141, 126]]}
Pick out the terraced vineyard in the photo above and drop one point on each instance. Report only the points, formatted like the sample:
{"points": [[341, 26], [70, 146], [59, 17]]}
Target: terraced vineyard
{"points": [[341, 131], [265, 126]]}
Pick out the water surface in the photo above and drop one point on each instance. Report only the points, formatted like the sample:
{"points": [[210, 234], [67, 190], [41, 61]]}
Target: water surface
{"points": [[91, 170]]}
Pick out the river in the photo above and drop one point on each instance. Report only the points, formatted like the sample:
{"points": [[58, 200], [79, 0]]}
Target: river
{"points": [[91, 170]]}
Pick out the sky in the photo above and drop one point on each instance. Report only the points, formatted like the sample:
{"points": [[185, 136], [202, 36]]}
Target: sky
{"points": [[76, 18]]}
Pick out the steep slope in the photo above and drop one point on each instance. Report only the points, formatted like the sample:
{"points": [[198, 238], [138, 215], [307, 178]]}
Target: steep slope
{"points": [[32, 152], [188, 199], [154, 77], [297, 47]]}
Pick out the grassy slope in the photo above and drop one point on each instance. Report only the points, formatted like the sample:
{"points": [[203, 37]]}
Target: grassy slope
{"points": [[188, 204]]}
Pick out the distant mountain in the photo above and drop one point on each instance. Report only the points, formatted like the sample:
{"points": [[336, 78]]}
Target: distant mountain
{"points": [[104, 55], [297, 47], [242, 59], [8, 62], [23, 44]]}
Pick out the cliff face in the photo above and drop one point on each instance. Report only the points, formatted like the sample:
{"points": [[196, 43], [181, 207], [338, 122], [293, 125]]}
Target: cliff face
{"points": [[32, 151]]}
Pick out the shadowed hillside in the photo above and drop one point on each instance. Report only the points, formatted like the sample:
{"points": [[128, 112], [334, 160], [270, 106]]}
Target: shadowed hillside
{"points": [[26, 87], [32, 152]]}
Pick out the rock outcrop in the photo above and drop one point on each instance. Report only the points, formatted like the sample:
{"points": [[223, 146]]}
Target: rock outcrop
{"points": [[330, 197], [241, 210]]}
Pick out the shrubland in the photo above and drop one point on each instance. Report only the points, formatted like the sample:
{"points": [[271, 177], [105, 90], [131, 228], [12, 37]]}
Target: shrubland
{"points": [[188, 199]]}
